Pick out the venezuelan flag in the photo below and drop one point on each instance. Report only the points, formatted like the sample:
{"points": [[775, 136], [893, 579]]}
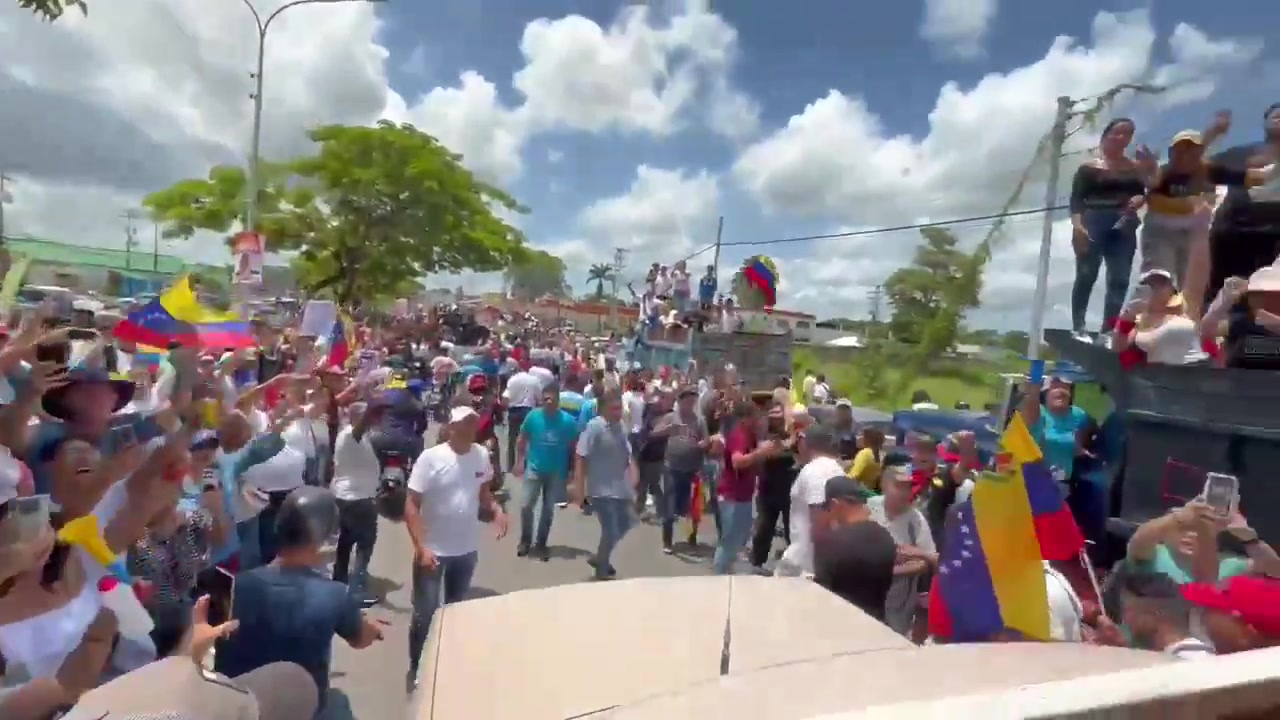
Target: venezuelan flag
{"points": [[339, 347], [178, 316], [759, 275], [990, 575]]}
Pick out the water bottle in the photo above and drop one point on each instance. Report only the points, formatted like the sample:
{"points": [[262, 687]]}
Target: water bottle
{"points": [[119, 598]]}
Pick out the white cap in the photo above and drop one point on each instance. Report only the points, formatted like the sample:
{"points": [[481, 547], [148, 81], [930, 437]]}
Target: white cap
{"points": [[460, 413], [1266, 279]]}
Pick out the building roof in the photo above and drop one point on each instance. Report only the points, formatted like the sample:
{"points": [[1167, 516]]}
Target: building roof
{"points": [[138, 261]]}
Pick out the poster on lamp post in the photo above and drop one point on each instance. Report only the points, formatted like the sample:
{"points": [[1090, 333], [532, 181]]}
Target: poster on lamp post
{"points": [[248, 250]]}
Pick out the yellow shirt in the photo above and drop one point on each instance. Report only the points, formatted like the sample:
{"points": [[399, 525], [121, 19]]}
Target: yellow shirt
{"points": [[866, 469]]}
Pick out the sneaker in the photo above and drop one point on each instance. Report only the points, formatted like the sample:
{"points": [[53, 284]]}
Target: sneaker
{"points": [[668, 550], [522, 549], [1082, 336], [411, 681], [541, 552], [562, 505]]}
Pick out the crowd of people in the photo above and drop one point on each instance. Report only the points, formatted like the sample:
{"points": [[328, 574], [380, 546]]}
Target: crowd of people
{"points": [[1206, 227], [220, 480]]}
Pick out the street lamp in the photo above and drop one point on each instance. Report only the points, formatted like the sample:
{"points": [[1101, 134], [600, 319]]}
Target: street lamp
{"points": [[251, 214]]}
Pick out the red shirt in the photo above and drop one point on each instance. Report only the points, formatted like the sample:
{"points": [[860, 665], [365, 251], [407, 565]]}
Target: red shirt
{"points": [[738, 485]]}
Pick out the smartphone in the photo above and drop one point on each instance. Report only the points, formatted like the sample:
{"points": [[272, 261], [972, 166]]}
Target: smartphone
{"points": [[28, 517], [1221, 492], [221, 586], [57, 353], [123, 436]]}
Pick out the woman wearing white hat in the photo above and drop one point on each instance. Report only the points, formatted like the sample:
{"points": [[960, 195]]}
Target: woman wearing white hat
{"points": [[1247, 315]]}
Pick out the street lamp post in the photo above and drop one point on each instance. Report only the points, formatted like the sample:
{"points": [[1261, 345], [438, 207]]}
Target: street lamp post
{"points": [[254, 178]]}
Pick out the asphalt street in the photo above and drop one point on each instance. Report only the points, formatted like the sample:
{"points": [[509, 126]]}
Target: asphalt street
{"points": [[369, 684]]}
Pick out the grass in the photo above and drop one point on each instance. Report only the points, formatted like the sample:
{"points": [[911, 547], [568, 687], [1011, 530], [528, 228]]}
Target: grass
{"points": [[949, 381]]}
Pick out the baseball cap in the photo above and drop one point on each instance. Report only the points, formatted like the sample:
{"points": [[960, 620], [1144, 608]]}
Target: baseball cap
{"points": [[1187, 136], [844, 402], [842, 488], [177, 689], [1254, 600], [460, 413]]}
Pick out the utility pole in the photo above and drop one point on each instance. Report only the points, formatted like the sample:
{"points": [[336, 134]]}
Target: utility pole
{"points": [[619, 264], [719, 236], [874, 297], [1057, 139], [130, 236], [155, 247], [5, 199], [875, 300]]}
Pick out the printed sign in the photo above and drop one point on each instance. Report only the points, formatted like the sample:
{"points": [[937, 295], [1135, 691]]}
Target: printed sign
{"points": [[249, 250]]}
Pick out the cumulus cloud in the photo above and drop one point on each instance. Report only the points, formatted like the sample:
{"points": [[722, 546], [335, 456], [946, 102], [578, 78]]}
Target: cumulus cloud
{"points": [[958, 27]]}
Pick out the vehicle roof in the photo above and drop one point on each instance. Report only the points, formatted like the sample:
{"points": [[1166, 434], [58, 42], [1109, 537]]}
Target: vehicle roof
{"points": [[703, 646]]}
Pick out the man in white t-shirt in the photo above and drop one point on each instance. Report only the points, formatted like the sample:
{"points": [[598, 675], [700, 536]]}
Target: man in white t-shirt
{"points": [[522, 394], [808, 492], [355, 484], [448, 490]]}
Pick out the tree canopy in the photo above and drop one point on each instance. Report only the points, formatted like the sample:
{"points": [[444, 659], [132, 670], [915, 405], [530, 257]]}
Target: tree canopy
{"points": [[916, 291], [53, 9], [374, 209], [533, 273]]}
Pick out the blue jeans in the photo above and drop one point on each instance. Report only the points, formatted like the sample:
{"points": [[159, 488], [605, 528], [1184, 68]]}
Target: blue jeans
{"points": [[1114, 246], [448, 582], [735, 531], [677, 489], [550, 488], [250, 544], [614, 515]]}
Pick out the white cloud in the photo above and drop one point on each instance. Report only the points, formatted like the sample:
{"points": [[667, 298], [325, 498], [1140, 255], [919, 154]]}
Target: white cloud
{"points": [[980, 140], [958, 27]]}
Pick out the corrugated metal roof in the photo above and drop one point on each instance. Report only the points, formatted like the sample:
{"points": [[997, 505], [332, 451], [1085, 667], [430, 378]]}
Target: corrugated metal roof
{"points": [[138, 261]]}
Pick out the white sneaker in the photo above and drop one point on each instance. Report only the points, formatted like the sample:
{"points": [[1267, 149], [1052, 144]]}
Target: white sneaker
{"points": [[1082, 336]]}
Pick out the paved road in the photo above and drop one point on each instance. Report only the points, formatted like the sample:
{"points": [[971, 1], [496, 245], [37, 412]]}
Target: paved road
{"points": [[369, 684]]}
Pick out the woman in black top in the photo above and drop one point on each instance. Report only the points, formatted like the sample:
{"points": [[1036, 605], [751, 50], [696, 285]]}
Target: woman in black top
{"points": [[1246, 231], [1105, 196], [1247, 314]]}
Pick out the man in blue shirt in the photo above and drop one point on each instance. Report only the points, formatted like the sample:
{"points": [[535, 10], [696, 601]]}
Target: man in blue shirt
{"points": [[542, 456], [289, 611], [707, 288]]}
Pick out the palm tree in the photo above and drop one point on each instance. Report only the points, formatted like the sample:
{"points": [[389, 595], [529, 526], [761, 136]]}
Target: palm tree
{"points": [[599, 274]]}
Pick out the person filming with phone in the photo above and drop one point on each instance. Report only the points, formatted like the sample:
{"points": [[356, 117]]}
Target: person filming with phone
{"points": [[1154, 328]]}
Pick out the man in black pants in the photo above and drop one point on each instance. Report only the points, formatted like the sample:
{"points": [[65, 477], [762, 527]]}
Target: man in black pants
{"points": [[773, 502]]}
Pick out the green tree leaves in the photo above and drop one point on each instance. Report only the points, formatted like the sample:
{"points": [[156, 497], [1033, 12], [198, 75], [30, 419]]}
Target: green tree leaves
{"points": [[534, 273], [600, 273], [53, 9], [374, 209]]}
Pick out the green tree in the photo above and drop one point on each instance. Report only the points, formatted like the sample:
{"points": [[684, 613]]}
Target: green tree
{"points": [[53, 9], [534, 273], [372, 210], [600, 273], [917, 290]]}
